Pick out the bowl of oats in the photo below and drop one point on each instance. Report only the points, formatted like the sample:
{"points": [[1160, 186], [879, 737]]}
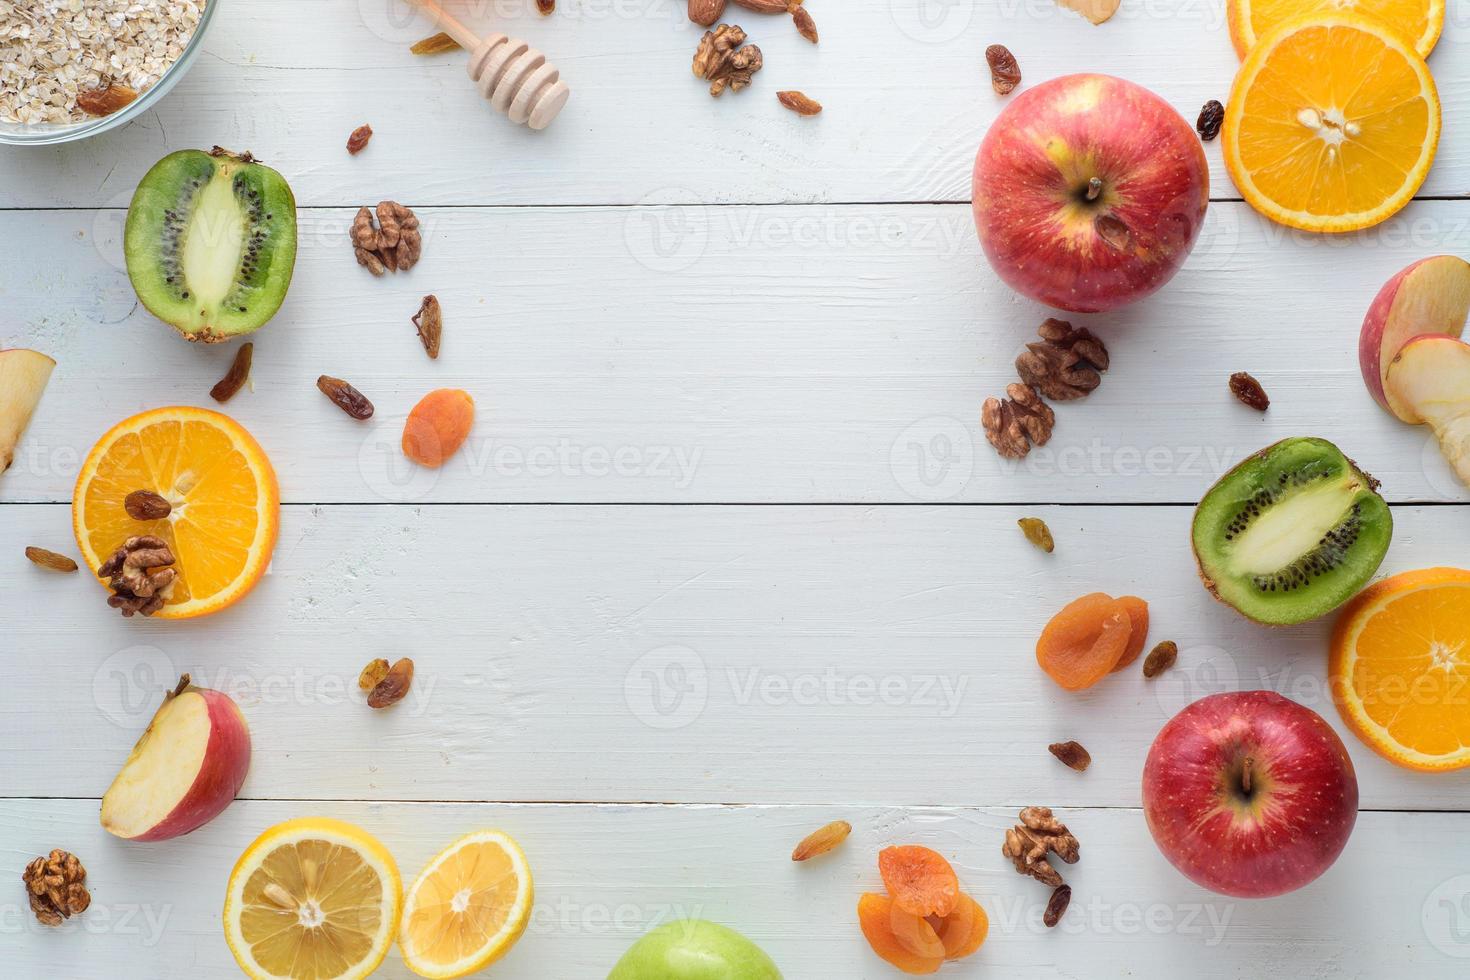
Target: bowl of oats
{"points": [[70, 69]]}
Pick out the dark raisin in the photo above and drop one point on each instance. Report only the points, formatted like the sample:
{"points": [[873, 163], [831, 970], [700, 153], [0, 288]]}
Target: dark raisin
{"points": [[1249, 391], [236, 376], [1071, 754], [346, 397], [359, 139], [1005, 74], [1161, 658], [1057, 907], [1210, 118]]}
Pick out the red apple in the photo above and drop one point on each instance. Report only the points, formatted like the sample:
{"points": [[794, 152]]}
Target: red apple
{"points": [[1089, 192], [185, 769], [1432, 296], [1249, 794], [1428, 383]]}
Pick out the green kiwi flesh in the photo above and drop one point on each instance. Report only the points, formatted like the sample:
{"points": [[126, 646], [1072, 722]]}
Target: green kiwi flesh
{"points": [[210, 243], [1291, 533]]}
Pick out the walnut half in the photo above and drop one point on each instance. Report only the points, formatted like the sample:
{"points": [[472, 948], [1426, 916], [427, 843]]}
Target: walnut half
{"points": [[1014, 424], [721, 61]]}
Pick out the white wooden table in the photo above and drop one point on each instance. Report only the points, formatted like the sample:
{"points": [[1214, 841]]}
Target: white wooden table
{"points": [[727, 555]]}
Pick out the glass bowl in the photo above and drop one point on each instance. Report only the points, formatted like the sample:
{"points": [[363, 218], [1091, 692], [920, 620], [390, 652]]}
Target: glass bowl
{"points": [[50, 134]]}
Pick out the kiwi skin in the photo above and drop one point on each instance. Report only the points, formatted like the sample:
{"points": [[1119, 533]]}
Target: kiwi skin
{"points": [[1379, 524], [161, 217]]}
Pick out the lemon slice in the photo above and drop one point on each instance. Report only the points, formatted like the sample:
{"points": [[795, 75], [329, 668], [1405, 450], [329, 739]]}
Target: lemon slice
{"points": [[312, 899], [467, 908]]}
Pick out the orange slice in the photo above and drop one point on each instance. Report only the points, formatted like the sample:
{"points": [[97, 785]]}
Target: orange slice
{"points": [[467, 908], [312, 899], [1400, 668], [1332, 124], [226, 505], [1419, 21]]}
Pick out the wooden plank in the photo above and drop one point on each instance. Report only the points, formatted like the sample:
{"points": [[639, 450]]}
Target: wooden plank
{"points": [[671, 654], [606, 874], [905, 87], [736, 354]]}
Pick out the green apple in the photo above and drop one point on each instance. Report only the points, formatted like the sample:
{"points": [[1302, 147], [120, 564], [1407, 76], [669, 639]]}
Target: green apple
{"points": [[693, 949]]}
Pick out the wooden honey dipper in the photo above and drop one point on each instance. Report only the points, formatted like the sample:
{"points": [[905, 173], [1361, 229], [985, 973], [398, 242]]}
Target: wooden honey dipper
{"points": [[513, 76]]}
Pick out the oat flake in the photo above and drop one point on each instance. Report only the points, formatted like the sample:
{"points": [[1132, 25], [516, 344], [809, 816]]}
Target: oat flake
{"points": [[50, 50]]}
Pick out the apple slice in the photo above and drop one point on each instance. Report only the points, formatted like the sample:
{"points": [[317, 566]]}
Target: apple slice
{"points": [[23, 376], [186, 768], [1096, 11], [1431, 296], [1430, 381]]}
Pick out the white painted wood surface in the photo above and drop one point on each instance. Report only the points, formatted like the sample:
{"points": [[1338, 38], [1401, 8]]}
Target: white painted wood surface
{"points": [[676, 654], [794, 354], [606, 873], [667, 300]]}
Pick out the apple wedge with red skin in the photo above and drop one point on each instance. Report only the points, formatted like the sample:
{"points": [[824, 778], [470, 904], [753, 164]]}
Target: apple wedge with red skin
{"points": [[1089, 192], [1249, 794], [23, 377], [185, 769], [1431, 296], [1429, 384]]}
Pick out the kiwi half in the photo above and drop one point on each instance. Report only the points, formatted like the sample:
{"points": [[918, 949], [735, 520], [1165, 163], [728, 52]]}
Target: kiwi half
{"points": [[210, 243], [1291, 533]]}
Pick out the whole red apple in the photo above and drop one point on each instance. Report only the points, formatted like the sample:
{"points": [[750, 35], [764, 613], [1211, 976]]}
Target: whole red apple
{"points": [[1249, 794], [1089, 192], [184, 770]]}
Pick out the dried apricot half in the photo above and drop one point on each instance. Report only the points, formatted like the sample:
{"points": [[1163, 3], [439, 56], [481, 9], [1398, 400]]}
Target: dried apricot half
{"points": [[1084, 641], [963, 930], [921, 881], [438, 426], [1138, 618], [901, 938]]}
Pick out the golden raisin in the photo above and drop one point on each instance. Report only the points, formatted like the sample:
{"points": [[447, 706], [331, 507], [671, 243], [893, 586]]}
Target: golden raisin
{"points": [[821, 840]]}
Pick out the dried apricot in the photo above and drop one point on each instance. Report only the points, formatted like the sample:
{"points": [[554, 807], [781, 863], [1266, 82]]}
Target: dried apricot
{"points": [[1138, 618], [438, 425], [963, 930], [1084, 641], [919, 880], [894, 935]]}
